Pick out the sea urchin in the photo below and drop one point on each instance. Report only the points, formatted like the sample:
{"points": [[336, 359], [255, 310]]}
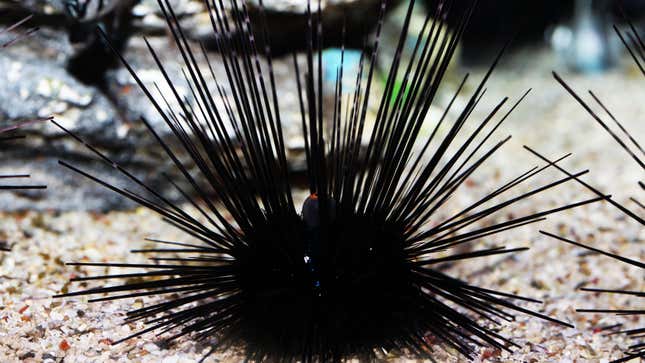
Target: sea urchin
{"points": [[351, 273]]}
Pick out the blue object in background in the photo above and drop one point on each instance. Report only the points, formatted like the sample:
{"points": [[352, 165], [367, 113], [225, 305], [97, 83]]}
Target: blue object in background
{"points": [[332, 59]]}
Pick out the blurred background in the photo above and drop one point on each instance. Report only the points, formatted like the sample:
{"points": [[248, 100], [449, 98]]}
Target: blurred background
{"points": [[67, 71]]}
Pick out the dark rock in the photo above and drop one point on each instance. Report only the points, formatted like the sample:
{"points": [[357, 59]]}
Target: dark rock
{"points": [[286, 21]]}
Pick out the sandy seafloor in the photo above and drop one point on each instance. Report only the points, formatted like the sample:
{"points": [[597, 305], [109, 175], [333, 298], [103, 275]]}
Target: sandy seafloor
{"points": [[34, 327]]}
